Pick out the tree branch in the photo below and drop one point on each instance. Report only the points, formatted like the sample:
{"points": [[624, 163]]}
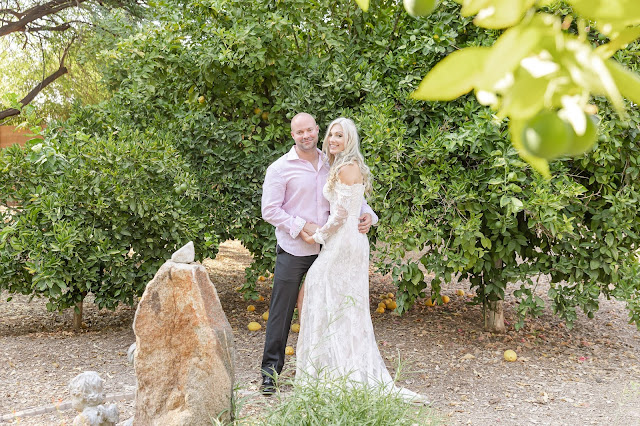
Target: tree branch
{"points": [[62, 70], [37, 12], [61, 27]]}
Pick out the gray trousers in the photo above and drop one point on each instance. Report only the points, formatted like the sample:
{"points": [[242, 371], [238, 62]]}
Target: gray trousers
{"points": [[287, 278]]}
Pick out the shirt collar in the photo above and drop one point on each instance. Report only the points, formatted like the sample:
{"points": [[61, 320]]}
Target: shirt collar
{"points": [[293, 155]]}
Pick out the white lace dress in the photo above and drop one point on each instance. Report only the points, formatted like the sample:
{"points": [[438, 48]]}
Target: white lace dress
{"points": [[336, 333]]}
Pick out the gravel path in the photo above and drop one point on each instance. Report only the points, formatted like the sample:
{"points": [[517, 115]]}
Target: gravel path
{"points": [[588, 375]]}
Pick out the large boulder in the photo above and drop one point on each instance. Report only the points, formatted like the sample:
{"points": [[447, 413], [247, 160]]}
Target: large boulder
{"points": [[184, 356]]}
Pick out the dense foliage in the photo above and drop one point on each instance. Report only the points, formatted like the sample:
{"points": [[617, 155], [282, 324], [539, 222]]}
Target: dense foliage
{"points": [[220, 81], [95, 214]]}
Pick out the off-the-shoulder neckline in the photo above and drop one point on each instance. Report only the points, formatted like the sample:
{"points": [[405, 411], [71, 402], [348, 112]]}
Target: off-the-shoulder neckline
{"points": [[346, 184]]}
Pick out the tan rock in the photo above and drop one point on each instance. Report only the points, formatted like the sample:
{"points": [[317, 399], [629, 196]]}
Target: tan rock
{"points": [[184, 357]]}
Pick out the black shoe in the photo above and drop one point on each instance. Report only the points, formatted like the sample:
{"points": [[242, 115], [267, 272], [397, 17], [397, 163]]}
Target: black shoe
{"points": [[268, 387]]}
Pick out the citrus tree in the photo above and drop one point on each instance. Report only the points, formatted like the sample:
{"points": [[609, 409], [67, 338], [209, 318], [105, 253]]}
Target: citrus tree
{"points": [[87, 213], [541, 73], [228, 79], [544, 74], [222, 81]]}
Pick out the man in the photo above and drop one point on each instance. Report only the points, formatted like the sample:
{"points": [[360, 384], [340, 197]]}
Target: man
{"points": [[292, 200]]}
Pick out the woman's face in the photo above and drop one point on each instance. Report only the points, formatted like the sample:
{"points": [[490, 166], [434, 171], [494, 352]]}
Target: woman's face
{"points": [[336, 139]]}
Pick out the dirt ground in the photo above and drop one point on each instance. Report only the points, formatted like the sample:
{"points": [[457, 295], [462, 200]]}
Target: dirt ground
{"points": [[589, 375]]}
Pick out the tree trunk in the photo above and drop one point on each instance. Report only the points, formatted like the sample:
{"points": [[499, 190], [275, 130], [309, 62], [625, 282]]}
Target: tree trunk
{"points": [[77, 316], [494, 317], [494, 310]]}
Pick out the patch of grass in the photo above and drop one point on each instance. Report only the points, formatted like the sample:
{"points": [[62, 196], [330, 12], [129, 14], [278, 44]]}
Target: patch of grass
{"points": [[340, 402]]}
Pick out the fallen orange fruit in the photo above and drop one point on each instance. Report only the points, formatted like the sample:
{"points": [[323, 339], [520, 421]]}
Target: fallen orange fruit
{"points": [[289, 350], [445, 299], [295, 328], [265, 316], [251, 308], [510, 355], [254, 326]]}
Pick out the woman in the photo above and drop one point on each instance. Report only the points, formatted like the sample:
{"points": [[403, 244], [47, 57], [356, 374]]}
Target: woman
{"points": [[336, 335]]}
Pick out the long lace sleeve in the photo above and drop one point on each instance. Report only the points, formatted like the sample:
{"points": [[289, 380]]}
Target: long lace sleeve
{"points": [[335, 221], [337, 217]]}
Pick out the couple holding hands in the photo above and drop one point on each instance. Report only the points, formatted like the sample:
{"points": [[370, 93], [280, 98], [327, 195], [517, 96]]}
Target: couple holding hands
{"points": [[315, 199]]}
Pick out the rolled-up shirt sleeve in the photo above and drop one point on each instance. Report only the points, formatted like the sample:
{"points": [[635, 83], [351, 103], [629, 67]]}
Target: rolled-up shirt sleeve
{"points": [[273, 193], [366, 209]]}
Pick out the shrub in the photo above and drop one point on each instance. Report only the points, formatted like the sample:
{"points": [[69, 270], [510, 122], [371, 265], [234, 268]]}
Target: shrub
{"points": [[94, 213]]}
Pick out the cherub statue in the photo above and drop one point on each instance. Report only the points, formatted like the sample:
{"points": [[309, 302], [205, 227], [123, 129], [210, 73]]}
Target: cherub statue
{"points": [[87, 397]]}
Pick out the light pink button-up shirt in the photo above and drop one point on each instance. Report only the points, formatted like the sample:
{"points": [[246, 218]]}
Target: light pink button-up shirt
{"points": [[292, 196]]}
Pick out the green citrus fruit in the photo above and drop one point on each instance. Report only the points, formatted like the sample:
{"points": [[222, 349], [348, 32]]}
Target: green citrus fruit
{"points": [[584, 143], [417, 8], [547, 136]]}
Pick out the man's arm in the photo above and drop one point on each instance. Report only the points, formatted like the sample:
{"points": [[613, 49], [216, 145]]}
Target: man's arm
{"points": [[366, 209], [367, 219], [273, 192]]}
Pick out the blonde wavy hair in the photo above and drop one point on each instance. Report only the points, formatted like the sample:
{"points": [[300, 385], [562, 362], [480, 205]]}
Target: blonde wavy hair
{"points": [[351, 153]]}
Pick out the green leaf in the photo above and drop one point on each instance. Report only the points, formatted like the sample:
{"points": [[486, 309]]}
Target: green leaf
{"points": [[628, 82], [619, 42], [364, 4], [454, 76], [511, 47], [497, 14], [517, 204], [611, 15], [539, 164]]}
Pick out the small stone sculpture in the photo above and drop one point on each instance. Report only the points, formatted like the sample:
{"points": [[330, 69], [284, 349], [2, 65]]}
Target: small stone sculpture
{"points": [[87, 397], [185, 254]]}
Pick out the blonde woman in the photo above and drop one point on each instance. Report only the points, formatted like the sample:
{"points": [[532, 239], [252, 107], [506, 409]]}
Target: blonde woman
{"points": [[336, 335]]}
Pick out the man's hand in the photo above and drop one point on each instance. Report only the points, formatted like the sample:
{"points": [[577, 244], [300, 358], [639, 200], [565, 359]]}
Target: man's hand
{"points": [[310, 228], [364, 223], [306, 237]]}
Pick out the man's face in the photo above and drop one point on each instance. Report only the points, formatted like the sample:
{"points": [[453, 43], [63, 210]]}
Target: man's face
{"points": [[304, 131]]}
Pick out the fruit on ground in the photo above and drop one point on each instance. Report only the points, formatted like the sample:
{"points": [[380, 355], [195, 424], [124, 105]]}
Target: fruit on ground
{"points": [[380, 309], [547, 136], [382, 305], [289, 350], [390, 295], [584, 143], [460, 292], [445, 299], [419, 7], [295, 328], [251, 308], [391, 304], [260, 299], [429, 302], [510, 355], [254, 326], [261, 278], [265, 316]]}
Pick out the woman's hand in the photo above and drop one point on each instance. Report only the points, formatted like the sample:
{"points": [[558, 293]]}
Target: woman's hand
{"points": [[306, 237]]}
